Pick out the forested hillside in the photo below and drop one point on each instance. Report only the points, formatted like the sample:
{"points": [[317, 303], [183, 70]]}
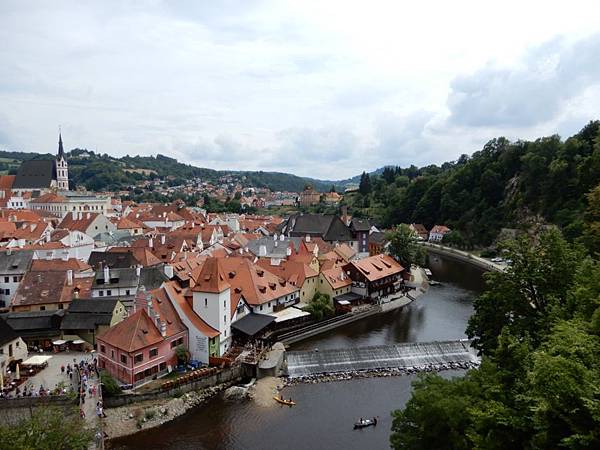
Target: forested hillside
{"points": [[98, 171], [506, 184]]}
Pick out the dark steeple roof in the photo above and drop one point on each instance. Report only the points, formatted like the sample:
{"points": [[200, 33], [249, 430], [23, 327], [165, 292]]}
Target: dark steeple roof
{"points": [[61, 152], [35, 174]]}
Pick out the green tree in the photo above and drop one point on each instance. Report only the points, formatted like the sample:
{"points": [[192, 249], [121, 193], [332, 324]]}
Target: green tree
{"points": [[110, 387], [404, 246], [47, 429], [320, 306], [364, 187]]}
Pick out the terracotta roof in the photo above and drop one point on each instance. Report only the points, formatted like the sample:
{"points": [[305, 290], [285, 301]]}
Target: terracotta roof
{"points": [[345, 251], [377, 267], [40, 288], [59, 265], [293, 271], [128, 223], [336, 277], [6, 181], [176, 294], [211, 277], [134, 333], [163, 307], [78, 224], [441, 229], [49, 198]]}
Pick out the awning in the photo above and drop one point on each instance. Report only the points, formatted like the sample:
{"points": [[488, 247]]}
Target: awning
{"points": [[288, 314], [36, 360], [350, 297], [78, 341], [59, 342], [343, 302], [252, 323]]}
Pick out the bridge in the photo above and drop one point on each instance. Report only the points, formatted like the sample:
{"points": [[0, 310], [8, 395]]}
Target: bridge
{"points": [[398, 356]]}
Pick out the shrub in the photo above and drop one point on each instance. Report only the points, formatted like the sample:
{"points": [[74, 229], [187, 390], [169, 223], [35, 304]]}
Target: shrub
{"points": [[110, 387]]}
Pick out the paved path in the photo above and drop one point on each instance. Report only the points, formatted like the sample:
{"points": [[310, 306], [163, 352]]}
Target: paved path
{"points": [[466, 256]]}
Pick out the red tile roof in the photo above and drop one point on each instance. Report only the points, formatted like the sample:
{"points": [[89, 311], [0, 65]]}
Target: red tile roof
{"points": [[136, 332]]}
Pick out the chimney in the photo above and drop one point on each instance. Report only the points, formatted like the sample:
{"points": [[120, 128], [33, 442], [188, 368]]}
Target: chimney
{"points": [[69, 277], [151, 243], [163, 329], [74, 215], [262, 250], [138, 271], [149, 304], [106, 274], [276, 242], [275, 237], [39, 278], [80, 215], [345, 215], [87, 216], [288, 251], [169, 271], [282, 237], [307, 239], [162, 239]]}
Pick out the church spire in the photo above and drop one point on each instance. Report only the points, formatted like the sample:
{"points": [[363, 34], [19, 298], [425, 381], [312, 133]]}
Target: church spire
{"points": [[61, 152]]}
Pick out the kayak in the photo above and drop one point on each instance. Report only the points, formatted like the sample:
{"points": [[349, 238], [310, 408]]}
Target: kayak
{"points": [[365, 423], [284, 402]]}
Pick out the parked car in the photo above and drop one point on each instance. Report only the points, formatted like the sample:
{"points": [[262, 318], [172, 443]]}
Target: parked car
{"points": [[497, 260]]}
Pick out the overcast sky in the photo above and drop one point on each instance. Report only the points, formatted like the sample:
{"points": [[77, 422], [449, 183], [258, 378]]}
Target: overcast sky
{"points": [[317, 88]]}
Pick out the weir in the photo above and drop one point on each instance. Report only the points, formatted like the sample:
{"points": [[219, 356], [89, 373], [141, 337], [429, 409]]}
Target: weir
{"points": [[397, 356]]}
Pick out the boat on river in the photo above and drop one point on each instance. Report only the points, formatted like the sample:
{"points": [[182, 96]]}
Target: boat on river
{"points": [[283, 401], [363, 423], [434, 283]]}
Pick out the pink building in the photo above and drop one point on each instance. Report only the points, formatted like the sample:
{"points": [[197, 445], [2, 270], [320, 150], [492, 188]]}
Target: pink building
{"points": [[143, 346]]}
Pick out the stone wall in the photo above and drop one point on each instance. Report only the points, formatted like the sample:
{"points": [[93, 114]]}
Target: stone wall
{"points": [[14, 410], [224, 376]]}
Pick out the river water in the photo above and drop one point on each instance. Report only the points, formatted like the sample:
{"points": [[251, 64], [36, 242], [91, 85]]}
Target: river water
{"points": [[325, 412]]}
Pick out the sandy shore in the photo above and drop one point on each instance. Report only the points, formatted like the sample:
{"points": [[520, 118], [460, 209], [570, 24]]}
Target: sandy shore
{"points": [[265, 389]]}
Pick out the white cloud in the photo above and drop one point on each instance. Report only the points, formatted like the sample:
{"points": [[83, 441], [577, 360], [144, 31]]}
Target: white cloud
{"points": [[317, 88]]}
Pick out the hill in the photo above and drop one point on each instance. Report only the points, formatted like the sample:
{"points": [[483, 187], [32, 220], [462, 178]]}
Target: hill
{"points": [[505, 184], [98, 171]]}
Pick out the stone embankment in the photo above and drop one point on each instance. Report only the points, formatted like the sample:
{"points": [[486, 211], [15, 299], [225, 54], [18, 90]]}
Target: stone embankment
{"points": [[130, 419], [396, 371]]}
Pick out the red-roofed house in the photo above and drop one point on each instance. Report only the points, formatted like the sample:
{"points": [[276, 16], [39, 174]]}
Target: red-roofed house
{"points": [[438, 232], [143, 346], [87, 222]]}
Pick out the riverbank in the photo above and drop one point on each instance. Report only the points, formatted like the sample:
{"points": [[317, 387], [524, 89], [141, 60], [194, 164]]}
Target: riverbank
{"points": [[133, 418], [463, 256]]}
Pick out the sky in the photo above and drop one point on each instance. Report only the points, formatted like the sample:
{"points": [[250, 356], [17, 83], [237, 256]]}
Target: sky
{"points": [[324, 89]]}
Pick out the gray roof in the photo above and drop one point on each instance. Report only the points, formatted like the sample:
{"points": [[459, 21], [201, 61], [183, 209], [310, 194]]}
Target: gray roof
{"points": [[15, 261], [114, 260], [35, 174], [84, 321], [93, 305], [273, 251], [116, 237], [125, 278], [328, 227], [252, 323], [25, 322], [377, 238], [360, 224], [7, 334], [152, 277]]}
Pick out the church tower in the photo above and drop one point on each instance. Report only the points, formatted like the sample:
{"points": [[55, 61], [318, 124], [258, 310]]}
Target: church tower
{"points": [[62, 169]]}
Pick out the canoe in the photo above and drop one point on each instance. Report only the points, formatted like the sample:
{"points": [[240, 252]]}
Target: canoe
{"points": [[284, 402], [365, 423]]}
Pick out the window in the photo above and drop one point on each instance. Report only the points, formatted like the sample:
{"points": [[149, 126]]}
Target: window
{"points": [[7, 291], [127, 292], [42, 308], [162, 366], [206, 303], [138, 358], [124, 359], [102, 349], [112, 354], [108, 292], [15, 279], [224, 304], [101, 293], [61, 306], [153, 353], [6, 279], [225, 319], [261, 307]]}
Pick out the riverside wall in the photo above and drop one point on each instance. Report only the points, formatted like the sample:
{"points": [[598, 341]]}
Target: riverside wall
{"points": [[228, 375], [463, 256], [15, 410]]}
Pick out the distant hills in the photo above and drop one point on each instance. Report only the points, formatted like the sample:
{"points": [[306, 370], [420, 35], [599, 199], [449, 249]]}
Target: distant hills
{"points": [[98, 171]]}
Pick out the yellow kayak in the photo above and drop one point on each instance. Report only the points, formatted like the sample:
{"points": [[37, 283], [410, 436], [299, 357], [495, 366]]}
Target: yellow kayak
{"points": [[284, 402]]}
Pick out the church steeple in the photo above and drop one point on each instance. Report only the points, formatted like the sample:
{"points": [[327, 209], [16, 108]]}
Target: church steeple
{"points": [[61, 152]]}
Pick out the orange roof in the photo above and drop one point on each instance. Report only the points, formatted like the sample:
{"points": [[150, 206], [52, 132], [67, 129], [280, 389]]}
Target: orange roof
{"points": [[128, 223], [6, 181], [175, 293], [40, 288], [49, 198], [336, 277], [211, 278], [163, 307], [376, 267], [136, 332], [79, 224], [59, 265], [441, 229], [293, 271]]}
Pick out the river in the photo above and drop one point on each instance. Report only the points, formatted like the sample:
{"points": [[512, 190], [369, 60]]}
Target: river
{"points": [[325, 412]]}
